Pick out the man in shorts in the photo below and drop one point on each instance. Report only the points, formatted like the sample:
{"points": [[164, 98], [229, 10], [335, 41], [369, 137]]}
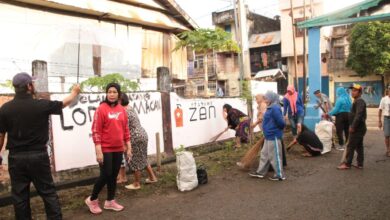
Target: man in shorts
{"points": [[384, 109]]}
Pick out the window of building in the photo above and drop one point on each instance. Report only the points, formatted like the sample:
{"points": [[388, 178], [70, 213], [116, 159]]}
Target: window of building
{"points": [[339, 41], [212, 86], [200, 88], [338, 53], [228, 28], [198, 62]]}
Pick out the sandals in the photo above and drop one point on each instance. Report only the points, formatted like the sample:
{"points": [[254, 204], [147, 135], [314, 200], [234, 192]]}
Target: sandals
{"points": [[358, 167], [307, 155], [149, 181], [131, 186], [343, 166]]}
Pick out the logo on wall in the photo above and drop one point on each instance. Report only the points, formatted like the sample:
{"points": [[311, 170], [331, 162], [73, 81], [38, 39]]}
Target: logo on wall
{"points": [[179, 116]]}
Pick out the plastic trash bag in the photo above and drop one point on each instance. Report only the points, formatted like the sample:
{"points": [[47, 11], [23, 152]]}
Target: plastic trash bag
{"points": [[186, 178], [324, 131]]}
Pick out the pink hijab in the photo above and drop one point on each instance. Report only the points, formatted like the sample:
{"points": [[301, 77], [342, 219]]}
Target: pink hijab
{"points": [[292, 98]]}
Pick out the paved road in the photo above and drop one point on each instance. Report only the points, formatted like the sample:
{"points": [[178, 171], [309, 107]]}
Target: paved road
{"points": [[314, 189]]}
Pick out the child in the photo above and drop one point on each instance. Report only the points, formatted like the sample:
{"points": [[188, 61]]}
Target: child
{"points": [[273, 125]]}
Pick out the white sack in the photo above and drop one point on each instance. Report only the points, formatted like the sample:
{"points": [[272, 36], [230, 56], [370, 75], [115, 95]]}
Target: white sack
{"points": [[324, 131], [186, 178]]}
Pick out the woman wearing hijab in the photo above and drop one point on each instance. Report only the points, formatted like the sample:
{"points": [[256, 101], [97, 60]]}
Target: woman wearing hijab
{"points": [[293, 109], [237, 121], [110, 133], [272, 152], [341, 111]]}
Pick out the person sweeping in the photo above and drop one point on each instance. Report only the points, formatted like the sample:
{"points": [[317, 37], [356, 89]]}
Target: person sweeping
{"points": [[271, 153]]}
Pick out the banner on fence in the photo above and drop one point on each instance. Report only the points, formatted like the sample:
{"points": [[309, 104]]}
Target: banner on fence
{"points": [[196, 121], [72, 136]]}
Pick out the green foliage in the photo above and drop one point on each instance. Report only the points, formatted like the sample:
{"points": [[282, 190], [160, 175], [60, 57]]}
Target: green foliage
{"points": [[180, 149], [369, 51], [246, 91], [203, 40], [100, 83], [7, 84]]}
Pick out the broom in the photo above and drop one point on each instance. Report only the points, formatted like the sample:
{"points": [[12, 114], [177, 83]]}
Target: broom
{"points": [[213, 139], [344, 157], [250, 156]]}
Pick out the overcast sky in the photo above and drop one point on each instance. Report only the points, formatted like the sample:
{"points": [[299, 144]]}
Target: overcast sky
{"points": [[200, 10]]}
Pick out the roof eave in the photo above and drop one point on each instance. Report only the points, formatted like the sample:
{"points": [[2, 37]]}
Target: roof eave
{"points": [[340, 15]]}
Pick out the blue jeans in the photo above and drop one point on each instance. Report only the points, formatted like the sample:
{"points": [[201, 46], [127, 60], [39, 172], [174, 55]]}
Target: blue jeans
{"points": [[294, 120]]}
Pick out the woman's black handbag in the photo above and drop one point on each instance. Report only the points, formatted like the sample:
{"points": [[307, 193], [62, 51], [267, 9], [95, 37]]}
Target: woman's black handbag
{"points": [[202, 175]]}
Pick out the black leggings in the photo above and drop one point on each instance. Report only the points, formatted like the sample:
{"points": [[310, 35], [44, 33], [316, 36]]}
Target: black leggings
{"points": [[342, 127], [108, 172]]}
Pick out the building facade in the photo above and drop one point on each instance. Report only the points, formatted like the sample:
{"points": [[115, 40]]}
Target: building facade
{"points": [[223, 66], [313, 8], [341, 76], [88, 38]]}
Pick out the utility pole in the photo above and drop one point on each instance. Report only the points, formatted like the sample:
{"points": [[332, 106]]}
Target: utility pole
{"points": [[237, 35], [242, 14], [295, 51], [304, 54]]}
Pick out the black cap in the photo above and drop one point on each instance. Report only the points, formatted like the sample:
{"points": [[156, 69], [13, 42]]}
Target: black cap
{"points": [[21, 79], [317, 91]]}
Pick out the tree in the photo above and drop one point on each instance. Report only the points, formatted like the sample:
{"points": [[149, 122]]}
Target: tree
{"points": [[369, 51], [100, 83], [203, 40]]}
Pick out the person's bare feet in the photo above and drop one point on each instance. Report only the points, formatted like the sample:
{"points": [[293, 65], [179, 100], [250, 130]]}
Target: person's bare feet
{"points": [[343, 166], [307, 154]]}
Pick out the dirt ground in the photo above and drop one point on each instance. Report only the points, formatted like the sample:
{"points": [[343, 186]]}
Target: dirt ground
{"points": [[314, 189]]}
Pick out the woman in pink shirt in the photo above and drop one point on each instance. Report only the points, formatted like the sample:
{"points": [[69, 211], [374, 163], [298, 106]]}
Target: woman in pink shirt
{"points": [[110, 133]]}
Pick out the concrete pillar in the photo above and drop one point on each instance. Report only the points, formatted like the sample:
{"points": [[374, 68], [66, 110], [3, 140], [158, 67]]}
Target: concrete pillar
{"points": [[313, 115], [39, 71], [163, 79]]}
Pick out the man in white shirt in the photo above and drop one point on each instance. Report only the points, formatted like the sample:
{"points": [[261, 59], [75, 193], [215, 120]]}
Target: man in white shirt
{"points": [[323, 101], [384, 107]]}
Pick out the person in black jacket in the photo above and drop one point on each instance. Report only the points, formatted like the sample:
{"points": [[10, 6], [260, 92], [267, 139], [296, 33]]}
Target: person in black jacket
{"points": [[310, 141], [357, 129], [26, 121]]}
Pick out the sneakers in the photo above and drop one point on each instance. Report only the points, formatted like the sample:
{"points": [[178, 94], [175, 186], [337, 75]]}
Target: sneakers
{"points": [[93, 206], [276, 178], [256, 174], [113, 205], [340, 147]]}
